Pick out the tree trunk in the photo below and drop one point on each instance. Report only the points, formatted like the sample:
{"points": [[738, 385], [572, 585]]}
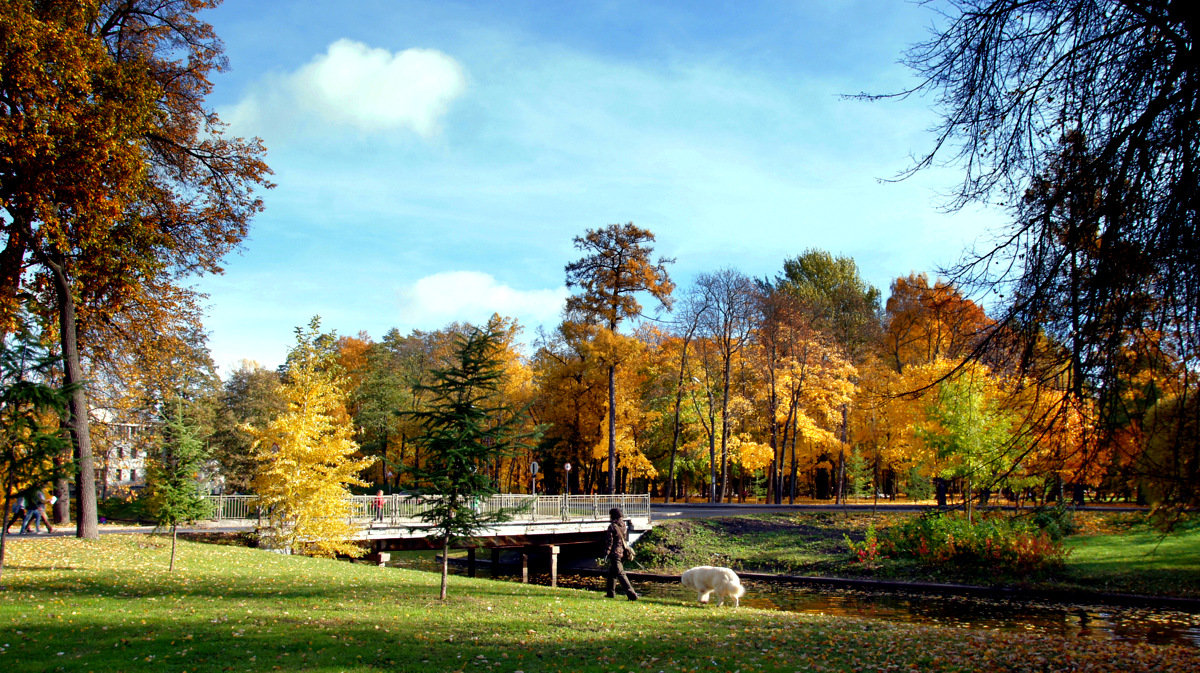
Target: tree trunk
{"points": [[725, 429], [612, 429], [4, 531], [714, 494], [676, 432], [87, 526], [174, 538], [840, 497], [445, 565]]}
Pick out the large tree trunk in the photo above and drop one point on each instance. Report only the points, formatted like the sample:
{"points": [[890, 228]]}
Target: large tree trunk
{"points": [[86, 522]]}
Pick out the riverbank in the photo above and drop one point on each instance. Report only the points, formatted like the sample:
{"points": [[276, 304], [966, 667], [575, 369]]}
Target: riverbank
{"points": [[1113, 557], [110, 604]]}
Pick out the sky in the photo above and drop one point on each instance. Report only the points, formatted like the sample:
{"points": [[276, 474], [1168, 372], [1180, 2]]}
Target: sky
{"points": [[434, 160]]}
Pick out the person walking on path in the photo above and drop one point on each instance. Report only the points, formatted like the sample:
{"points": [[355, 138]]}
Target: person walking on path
{"points": [[615, 542], [380, 501], [37, 512], [18, 512]]}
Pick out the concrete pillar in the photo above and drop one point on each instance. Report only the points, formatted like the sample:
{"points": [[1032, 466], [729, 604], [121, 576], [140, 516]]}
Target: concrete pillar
{"points": [[553, 565], [524, 568]]}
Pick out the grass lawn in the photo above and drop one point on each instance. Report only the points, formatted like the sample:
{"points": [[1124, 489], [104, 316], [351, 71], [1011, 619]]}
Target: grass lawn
{"points": [[110, 605], [1135, 558], [1114, 552]]}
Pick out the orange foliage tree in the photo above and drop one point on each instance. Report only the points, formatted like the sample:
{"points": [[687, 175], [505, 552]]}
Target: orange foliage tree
{"points": [[616, 267], [112, 172]]}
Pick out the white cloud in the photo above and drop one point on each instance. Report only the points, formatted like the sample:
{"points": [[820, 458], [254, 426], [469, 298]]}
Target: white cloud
{"points": [[357, 86], [471, 296]]}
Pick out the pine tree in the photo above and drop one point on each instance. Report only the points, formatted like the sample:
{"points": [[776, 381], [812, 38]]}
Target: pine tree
{"points": [[465, 428], [306, 457], [858, 472], [31, 444], [173, 478]]}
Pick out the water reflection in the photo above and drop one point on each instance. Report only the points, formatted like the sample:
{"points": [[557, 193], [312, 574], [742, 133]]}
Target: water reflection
{"points": [[1080, 621]]}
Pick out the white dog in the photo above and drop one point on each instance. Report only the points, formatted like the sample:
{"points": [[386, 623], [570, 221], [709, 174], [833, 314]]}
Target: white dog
{"points": [[709, 580]]}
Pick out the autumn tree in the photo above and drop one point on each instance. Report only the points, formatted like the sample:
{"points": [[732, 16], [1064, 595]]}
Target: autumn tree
{"points": [[571, 401], [396, 368], [250, 397], [616, 267], [113, 174], [924, 323], [840, 302], [727, 311], [970, 430], [174, 493], [465, 427], [675, 348], [152, 352], [843, 305], [1079, 116], [306, 455]]}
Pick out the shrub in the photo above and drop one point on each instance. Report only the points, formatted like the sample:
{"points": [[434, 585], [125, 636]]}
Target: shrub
{"points": [[1010, 546], [1058, 521], [129, 509], [919, 486], [867, 551]]}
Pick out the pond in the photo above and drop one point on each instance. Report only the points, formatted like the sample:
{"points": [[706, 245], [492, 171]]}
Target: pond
{"points": [[1155, 626]]}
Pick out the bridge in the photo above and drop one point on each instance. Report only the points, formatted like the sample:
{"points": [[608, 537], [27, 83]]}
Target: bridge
{"points": [[538, 523]]}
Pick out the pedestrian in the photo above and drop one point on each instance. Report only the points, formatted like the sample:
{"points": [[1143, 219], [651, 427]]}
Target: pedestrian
{"points": [[615, 544], [18, 512], [379, 503], [36, 514]]}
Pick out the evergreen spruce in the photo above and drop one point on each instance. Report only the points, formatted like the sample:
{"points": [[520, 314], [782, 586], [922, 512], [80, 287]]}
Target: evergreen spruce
{"points": [[465, 428], [173, 478], [32, 445]]}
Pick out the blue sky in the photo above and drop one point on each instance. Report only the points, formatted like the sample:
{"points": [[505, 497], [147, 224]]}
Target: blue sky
{"points": [[434, 160]]}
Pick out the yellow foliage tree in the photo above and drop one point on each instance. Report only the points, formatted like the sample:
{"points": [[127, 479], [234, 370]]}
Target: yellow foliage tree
{"points": [[306, 457]]}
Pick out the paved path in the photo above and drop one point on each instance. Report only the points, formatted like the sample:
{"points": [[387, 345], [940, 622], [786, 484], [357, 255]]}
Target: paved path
{"points": [[706, 510]]}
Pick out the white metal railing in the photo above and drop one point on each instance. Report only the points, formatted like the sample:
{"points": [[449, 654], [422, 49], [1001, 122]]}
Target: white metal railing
{"points": [[401, 509]]}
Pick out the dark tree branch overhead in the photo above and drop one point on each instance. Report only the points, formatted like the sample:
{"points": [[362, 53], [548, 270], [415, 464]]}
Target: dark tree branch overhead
{"points": [[1081, 117]]}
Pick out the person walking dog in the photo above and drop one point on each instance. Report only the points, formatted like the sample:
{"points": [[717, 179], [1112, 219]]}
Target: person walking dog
{"points": [[616, 546]]}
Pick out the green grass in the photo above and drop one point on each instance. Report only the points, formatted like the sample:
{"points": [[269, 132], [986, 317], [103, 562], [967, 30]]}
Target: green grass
{"points": [[1118, 554], [791, 543], [110, 605], [1137, 559]]}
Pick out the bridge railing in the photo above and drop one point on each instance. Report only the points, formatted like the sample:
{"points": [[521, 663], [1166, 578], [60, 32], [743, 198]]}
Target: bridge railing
{"points": [[401, 509]]}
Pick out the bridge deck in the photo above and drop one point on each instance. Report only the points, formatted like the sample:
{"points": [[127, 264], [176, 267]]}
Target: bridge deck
{"points": [[536, 519]]}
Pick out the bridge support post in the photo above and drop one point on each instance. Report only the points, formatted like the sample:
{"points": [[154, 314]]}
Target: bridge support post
{"points": [[524, 568], [470, 561], [553, 566]]}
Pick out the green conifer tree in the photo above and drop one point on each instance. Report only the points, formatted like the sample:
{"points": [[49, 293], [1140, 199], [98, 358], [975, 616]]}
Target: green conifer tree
{"points": [[173, 478], [464, 428], [31, 441]]}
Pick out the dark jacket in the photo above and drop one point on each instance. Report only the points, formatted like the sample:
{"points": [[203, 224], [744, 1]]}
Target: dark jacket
{"points": [[614, 539]]}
